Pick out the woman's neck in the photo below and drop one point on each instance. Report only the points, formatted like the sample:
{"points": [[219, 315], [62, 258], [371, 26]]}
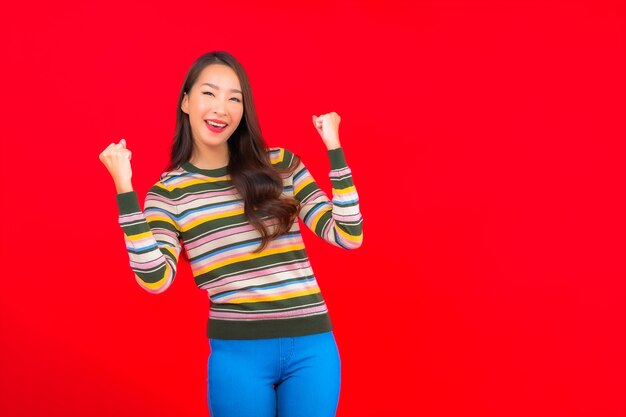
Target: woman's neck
{"points": [[209, 157]]}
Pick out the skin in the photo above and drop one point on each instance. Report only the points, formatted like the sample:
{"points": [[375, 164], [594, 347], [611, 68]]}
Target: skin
{"points": [[210, 149]]}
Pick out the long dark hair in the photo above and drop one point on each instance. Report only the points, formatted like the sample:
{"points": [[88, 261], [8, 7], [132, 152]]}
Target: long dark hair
{"points": [[258, 182]]}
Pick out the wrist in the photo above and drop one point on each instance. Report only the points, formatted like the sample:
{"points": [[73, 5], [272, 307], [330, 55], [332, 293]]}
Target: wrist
{"points": [[123, 187], [333, 144]]}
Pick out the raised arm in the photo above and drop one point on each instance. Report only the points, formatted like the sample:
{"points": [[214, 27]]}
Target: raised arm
{"points": [[152, 237], [337, 221]]}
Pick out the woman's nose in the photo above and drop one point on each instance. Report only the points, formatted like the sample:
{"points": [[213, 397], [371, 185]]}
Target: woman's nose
{"points": [[219, 107]]}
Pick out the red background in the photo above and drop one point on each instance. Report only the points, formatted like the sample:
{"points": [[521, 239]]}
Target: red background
{"points": [[487, 141]]}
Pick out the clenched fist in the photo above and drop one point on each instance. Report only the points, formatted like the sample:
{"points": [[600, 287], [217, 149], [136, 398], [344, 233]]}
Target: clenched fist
{"points": [[327, 126], [116, 158]]}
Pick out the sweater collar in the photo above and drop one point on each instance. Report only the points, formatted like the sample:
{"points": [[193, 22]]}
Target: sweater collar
{"points": [[217, 172]]}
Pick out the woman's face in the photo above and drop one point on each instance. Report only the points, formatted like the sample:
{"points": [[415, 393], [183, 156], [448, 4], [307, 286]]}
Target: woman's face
{"points": [[214, 100]]}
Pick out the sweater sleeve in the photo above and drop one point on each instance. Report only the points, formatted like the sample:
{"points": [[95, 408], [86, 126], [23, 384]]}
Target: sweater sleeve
{"points": [[152, 237], [337, 221]]}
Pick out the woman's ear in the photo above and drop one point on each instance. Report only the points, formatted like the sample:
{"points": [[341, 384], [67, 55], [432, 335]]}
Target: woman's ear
{"points": [[185, 103]]}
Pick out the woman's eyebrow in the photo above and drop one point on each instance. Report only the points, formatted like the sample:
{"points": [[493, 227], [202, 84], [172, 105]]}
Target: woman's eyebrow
{"points": [[234, 90]]}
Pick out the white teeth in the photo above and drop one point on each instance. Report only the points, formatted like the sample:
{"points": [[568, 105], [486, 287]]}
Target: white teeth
{"points": [[215, 124]]}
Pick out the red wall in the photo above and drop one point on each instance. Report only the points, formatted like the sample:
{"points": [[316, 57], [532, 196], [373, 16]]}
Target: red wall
{"points": [[487, 143]]}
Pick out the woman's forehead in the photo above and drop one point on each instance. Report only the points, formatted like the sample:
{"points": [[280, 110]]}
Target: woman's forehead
{"points": [[219, 76]]}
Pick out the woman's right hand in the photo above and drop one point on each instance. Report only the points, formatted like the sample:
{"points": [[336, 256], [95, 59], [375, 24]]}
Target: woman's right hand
{"points": [[116, 158]]}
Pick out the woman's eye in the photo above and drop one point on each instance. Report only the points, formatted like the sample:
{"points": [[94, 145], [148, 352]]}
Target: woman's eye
{"points": [[234, 98]]}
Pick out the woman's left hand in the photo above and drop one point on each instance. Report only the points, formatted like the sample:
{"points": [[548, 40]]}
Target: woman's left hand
{"points": [[327, 126]]}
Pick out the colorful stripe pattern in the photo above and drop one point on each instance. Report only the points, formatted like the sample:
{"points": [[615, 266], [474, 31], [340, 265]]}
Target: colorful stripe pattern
{"points": [[272, 293]]}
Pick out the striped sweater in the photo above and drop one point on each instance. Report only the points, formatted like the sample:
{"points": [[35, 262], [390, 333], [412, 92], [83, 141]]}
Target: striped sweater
{"points": [[268, 294]]}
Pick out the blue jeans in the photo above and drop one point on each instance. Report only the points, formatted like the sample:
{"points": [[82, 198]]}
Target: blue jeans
{"points": [[284, 377]]}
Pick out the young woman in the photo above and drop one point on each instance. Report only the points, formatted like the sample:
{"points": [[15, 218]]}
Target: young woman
{"points": [[234, 204]]}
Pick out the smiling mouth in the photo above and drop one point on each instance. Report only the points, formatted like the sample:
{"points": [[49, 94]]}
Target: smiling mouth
{"points": [[216, 124], [215, 127]]}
